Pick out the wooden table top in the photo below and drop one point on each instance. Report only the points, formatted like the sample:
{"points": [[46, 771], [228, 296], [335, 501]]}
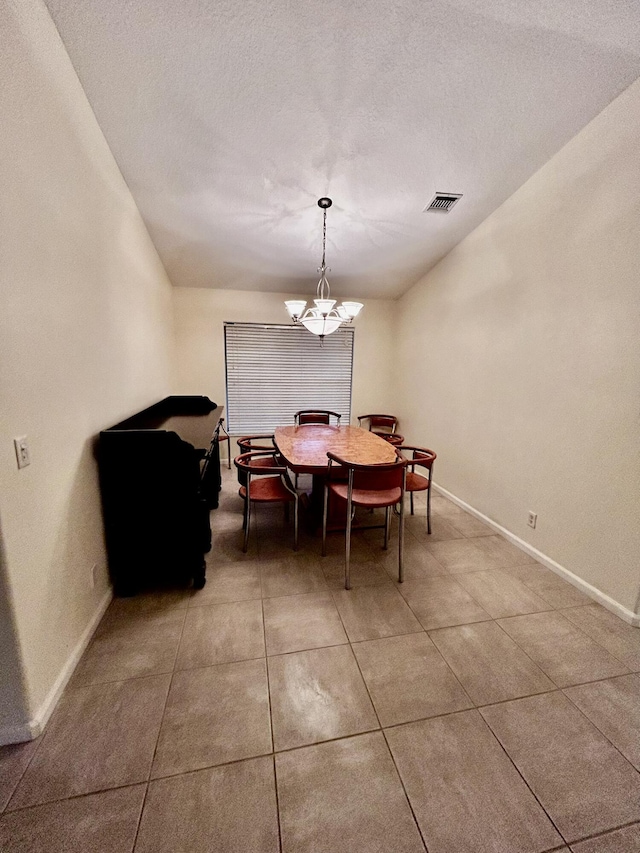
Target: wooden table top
{"points": [[305, 447]]}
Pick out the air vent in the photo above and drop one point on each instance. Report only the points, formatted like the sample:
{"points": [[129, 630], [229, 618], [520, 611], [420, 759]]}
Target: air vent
{"points": [[442, 202]]}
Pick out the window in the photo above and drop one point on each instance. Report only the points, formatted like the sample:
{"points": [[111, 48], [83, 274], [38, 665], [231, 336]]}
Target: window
{"points": [[273, 371]]}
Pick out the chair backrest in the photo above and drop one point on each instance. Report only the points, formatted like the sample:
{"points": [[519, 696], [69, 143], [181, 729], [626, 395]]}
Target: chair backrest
{"points": [[315, 416], [379, 477], [419, 456], [380, 423], [257, 462], [248, 443]]}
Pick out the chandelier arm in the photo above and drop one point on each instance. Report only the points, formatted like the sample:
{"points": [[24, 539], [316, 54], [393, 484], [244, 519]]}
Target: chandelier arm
{"points": [[333, 314]]}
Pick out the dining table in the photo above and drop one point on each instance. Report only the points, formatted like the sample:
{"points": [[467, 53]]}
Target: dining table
{"points": [[304, 448]]}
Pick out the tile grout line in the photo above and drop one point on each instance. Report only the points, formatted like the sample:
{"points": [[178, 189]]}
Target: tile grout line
{"points": [[424, 630], [22, 775], [448, 665], [605, 832], [309, 649], [595, 725], [521, 775], [381, 729], [80, 796], [528, 656], [559, 686], [277, 796], [549, 609], [139, 821], [500, 701], [577, 627], [155, 749], [268, 685], [404, 791]]}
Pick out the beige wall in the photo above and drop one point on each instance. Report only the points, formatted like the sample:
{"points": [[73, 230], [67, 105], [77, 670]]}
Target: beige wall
{"points": [[520, 359], [200, 315], [86, 338]]}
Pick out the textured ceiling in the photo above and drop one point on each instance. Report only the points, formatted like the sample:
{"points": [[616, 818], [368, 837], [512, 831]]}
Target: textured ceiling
{"points": [[230, 118]]}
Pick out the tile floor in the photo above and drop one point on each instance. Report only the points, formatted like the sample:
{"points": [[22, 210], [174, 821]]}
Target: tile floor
{"points": [[484, 705]]}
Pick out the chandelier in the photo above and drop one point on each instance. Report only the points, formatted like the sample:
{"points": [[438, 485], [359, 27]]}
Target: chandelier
{"points": [[322, 318]]}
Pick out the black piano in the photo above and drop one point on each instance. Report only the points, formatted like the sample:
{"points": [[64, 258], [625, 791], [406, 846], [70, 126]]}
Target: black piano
{"points": [[159, 479]]}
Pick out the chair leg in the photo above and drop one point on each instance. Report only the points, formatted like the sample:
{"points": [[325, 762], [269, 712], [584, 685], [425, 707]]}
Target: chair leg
{"points": [[295, 524], [324, 519], [401, 543], [347, 555], [387, 523], [228, 439], [411, 499], [429, 510], [246, 528]]}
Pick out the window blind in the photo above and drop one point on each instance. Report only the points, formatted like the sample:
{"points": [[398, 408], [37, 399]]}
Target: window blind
{"points": [[273, 371]]}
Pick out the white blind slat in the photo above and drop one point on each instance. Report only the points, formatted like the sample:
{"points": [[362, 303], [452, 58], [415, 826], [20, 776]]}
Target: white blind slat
{"points": [[275, 370]]}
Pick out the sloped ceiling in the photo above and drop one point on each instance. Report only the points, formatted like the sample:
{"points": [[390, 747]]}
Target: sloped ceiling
{"points": [[230, 118]]}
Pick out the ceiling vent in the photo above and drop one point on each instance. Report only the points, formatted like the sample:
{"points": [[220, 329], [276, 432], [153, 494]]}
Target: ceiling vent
{"points": [[442, 202]]}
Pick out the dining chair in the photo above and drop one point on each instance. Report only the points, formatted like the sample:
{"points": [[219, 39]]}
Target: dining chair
{"points": [[370, 486], [264, 482], [423, 457], [251, 443], [383, 425], [315, 416]]}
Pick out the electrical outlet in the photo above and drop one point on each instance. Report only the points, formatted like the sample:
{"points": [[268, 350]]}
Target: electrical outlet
{"points": [[532, 519], [22, 451]]}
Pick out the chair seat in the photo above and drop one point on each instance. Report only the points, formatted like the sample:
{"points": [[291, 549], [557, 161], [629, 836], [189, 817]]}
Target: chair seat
{"points": [[368, 497], [267, 489], [392, 437], [416, 482]]}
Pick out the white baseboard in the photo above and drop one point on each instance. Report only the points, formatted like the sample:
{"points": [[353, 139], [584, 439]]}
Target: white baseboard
{"points": [[35, 726], [581, 584]]}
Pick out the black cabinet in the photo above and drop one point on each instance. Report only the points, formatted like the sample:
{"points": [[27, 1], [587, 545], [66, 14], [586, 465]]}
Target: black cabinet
{"points": [[159, 478]]}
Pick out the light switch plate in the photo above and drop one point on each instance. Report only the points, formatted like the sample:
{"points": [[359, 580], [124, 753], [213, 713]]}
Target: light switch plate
{"points": [[22, 451]]}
